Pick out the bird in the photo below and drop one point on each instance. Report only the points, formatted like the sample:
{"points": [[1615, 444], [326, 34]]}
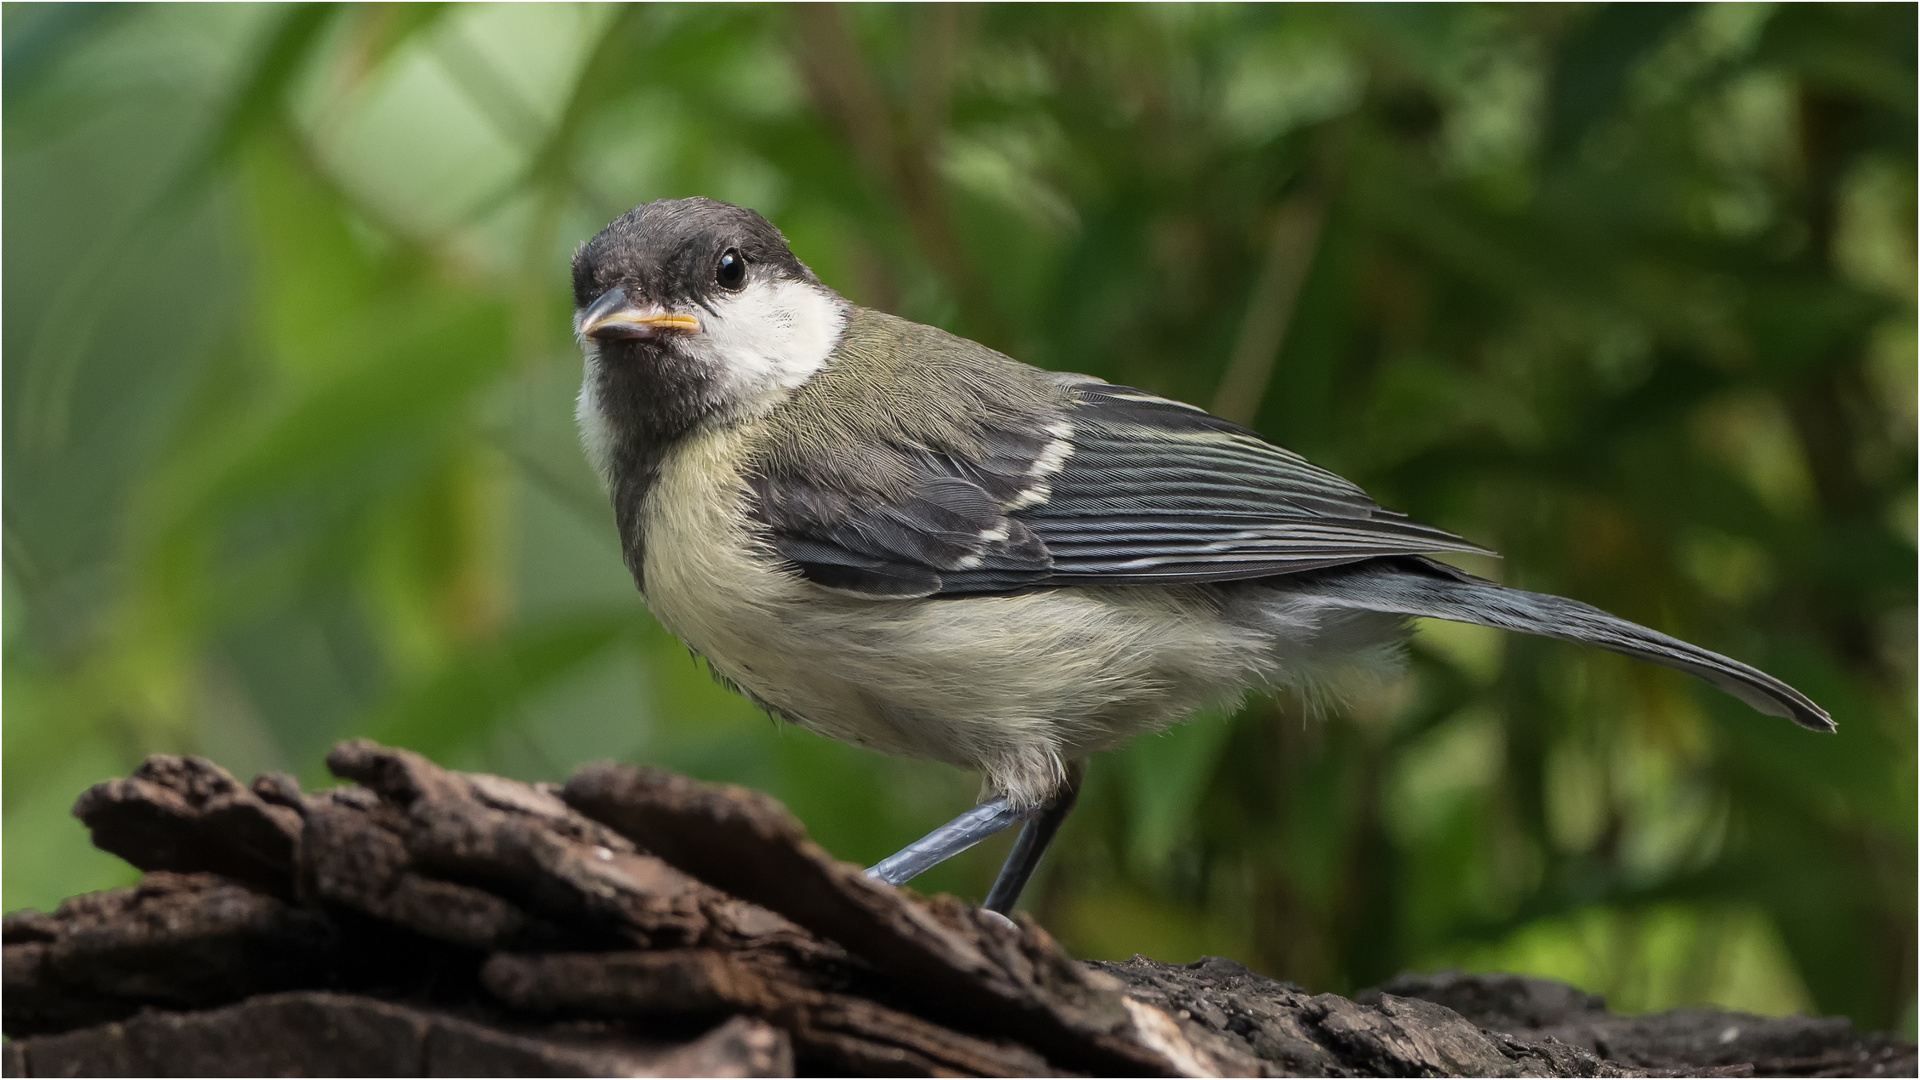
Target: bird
{"points": [[907, 541]]}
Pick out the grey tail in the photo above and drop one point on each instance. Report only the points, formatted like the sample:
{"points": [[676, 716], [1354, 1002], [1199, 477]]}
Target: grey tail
{"points": [[1421, 587]]}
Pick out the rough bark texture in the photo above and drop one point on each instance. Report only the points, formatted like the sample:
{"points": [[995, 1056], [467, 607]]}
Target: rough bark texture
{"points": [[637, 923]]}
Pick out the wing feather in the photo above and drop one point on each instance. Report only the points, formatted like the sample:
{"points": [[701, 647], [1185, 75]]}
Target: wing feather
{"points": [[1120, 487]]}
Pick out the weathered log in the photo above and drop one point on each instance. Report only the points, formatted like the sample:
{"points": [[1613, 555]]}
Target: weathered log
{"points": [[635, 922], [314, 1033]]}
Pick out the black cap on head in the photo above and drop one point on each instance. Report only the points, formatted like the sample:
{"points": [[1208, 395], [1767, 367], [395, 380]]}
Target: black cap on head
{"points": [[670, 252]]}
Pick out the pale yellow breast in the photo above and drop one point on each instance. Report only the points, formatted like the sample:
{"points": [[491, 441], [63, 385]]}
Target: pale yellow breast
{"points": [[837, 665], [700, 582]]}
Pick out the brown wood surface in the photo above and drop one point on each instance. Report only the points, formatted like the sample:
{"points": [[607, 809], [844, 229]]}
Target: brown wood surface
{"points": [[634, 922]]}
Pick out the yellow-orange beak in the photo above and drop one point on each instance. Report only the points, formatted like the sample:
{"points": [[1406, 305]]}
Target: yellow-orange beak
{"points": [[611, 317]]}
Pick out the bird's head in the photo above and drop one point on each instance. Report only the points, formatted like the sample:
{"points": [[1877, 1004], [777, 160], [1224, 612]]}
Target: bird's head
{"points": [[691, 310]]}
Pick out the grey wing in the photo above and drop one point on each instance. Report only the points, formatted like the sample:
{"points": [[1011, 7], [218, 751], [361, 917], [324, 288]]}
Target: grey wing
{"points": [[949, 533], [1119, 487], [1157, 491]]}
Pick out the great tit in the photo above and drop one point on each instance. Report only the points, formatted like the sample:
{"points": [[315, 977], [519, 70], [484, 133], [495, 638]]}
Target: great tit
{"points": [[907, 541]]}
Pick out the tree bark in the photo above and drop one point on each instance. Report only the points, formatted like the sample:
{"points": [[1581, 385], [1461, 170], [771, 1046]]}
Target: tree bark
{"points": [[638, 923]]}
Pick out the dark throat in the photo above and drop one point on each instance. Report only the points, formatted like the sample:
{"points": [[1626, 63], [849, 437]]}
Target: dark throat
{"points": [[652, 398]]}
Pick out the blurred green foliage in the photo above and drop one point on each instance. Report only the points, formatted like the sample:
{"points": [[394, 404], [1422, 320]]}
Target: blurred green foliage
{"points": [[1625, 292]]}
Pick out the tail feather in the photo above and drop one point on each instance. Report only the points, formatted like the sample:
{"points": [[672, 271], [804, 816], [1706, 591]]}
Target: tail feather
{"points": [[1420, 587]]}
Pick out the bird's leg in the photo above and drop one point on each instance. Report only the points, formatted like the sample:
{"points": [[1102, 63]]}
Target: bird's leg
{"points": [[947, 841], [1034, 838]]}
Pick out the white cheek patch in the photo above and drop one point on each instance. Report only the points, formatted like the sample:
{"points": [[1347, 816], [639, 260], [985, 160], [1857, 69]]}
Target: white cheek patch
{"points": [[768, 339]]}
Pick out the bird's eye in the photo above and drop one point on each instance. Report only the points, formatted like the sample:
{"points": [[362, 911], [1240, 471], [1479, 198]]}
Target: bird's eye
{"points": [[731, 272]]}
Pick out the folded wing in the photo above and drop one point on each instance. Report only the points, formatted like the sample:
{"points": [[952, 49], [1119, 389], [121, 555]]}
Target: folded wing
{"points": [[1115, 487]]}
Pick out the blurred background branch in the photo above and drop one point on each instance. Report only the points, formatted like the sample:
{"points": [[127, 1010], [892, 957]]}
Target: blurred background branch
{"points": [[1297, 222], [1626, 292], [899, 156]]}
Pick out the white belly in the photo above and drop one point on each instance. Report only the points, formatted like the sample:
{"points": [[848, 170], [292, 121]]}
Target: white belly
{"points": [[1012, 686]]}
